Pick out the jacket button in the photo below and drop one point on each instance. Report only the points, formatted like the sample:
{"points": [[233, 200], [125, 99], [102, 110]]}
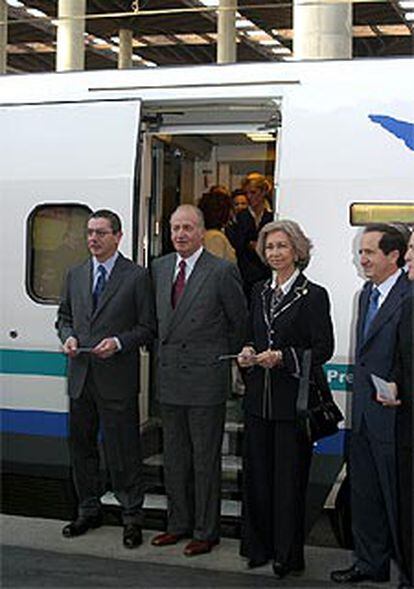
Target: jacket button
{"points": [[183, 346]]}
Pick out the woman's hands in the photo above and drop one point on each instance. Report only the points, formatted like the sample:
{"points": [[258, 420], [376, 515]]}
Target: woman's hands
{"points": [[266, 359], [269, 358]]}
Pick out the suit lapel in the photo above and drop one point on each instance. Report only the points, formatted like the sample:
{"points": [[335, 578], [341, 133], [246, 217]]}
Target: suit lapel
{"points": [[85, 285], [197, 278], [165, 289], [297, 291], [392, 302], [363, 307], [115, 280]]}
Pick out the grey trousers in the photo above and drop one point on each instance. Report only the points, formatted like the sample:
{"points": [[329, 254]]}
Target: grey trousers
{"points": [[192, 468]]}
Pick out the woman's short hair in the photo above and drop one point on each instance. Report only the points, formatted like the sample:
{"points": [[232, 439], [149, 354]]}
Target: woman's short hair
{"points": [[216, 206], [301, 244]]}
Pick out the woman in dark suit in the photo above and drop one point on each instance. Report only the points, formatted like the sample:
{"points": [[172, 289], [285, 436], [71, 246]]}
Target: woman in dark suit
{"points": [[289, 314]]}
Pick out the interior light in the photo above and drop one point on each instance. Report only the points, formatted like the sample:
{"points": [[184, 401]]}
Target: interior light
{"points": [[37, 13], [15, 3], [406, 4]]}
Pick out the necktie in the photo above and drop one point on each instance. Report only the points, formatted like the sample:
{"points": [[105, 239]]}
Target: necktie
{"points": [[276, 299], [99, 286], [179, 284], [372, 309]]}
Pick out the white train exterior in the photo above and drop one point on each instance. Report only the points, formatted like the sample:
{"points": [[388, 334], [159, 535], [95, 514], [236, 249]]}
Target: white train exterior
{"points": [[84, 138]]}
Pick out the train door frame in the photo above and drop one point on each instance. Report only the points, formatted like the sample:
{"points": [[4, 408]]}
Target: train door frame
{"points": [[151, 216]]}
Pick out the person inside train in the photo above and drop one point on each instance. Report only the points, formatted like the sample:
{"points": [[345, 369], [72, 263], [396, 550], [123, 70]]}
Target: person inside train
{"points": [[288, 315], [244, 231], [240, 200], [216, 206]]}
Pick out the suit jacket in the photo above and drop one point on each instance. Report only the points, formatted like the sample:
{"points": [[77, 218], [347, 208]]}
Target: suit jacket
{"points": [[302, 321], [208, 321], [125, 310], [403, 373], [240, 234], [374, 355]]}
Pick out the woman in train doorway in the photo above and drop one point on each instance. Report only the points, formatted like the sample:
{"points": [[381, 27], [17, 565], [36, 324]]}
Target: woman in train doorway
{"points": [[244, 229], [216, 206], [288, 315]]}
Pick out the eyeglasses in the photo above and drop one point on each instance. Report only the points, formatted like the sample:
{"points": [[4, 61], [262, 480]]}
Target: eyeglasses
{"points": [[100, 233]]}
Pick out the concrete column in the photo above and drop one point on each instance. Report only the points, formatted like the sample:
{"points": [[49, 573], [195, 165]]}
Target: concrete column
{"points": [[226, 39], [322, 30], [3, 37], [70, 54], [125, 49]]}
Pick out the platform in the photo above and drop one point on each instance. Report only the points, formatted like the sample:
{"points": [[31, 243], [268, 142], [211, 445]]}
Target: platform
{"points": [[35, 554]]}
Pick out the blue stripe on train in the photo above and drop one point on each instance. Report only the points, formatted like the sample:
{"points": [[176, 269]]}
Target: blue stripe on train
{"points": [[54, 364], [34, 423], [54, 424]]}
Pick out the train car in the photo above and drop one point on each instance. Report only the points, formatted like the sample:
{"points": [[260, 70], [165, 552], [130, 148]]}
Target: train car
{"points": [[335, 138]]}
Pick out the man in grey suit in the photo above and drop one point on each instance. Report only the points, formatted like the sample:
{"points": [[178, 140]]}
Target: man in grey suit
{"points": [[105, 315], [372, 454], [201, 315]]}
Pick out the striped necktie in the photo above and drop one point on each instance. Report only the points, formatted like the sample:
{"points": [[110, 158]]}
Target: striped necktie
{"points": [[179, 284], [372, 310], [99, 286]]}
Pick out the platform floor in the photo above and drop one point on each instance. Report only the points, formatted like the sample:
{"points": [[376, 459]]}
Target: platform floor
{"points": [[35, 554]]}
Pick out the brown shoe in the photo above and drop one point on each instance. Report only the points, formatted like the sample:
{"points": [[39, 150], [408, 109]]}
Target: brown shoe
{"points": [[197, 547], [166, 539]]}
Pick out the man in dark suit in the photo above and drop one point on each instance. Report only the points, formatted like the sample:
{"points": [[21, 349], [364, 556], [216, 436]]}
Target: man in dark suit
{"points": [[201, 314], [372, 454], [105, 315]]}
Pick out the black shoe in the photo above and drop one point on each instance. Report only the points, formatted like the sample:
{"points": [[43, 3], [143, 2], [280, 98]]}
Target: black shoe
{"points": [[132, 536], [81, 525], [255, 563], [354, 575], [280, 570]]}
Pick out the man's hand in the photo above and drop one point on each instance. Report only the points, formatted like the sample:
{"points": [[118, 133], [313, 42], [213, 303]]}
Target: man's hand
{"points": [[70, 347], [247, 357], [106, 348], [269, 358]]}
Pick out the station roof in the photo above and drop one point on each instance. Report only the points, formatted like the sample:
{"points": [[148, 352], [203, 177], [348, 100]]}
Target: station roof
{"points": [[179, 32]]}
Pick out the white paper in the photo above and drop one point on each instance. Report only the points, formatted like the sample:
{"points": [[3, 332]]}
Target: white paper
{"points": [[383, 388]]}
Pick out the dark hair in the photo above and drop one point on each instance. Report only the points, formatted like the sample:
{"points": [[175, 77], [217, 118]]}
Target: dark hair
{"points": [[393, 238], [216, 205], [238, 192], [112, 217]]}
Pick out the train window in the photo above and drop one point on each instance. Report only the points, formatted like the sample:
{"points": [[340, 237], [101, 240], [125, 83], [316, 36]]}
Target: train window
{"points": [[385, 212], [56, 241]]}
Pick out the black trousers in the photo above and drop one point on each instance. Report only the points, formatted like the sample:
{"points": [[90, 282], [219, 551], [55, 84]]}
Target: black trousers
{"points": [[406, 509], [192, 468], [118, 423], [277, 459], [373, 502]]}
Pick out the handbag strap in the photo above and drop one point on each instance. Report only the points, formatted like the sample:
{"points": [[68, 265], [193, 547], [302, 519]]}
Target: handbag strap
{"points": [[303, 392]]}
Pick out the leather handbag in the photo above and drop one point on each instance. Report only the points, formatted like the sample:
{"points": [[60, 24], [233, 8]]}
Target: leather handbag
{"points": [[321, 419]]}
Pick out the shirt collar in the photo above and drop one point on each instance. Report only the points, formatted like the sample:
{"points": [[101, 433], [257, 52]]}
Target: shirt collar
{"points": [[108, 264], [190, 261], [385, 287], [287, 285]]}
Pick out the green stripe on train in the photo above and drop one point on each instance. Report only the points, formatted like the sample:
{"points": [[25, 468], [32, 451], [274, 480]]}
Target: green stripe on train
{"points": [[32, 362], [54, 364]]}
